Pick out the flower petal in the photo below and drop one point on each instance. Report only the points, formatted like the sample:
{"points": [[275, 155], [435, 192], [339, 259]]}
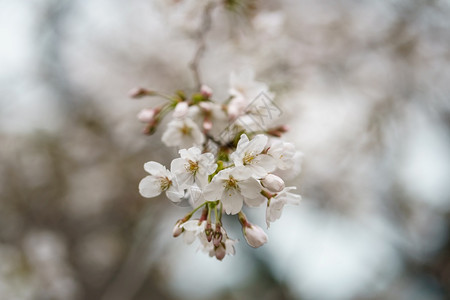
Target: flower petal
{"points": [[250, 188], [155, 168], [255, 202], [243, 142], [150, 187], [257, 144], [266, 161], [177, 166], [241, 172], [232, 201], [213, 191]]}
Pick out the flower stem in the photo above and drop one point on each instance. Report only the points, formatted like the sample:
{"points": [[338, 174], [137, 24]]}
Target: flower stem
{"points": [[243, 219]]}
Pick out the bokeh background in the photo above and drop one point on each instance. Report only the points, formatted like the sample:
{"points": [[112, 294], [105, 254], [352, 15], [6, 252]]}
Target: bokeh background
{"points": [[364, 86]]}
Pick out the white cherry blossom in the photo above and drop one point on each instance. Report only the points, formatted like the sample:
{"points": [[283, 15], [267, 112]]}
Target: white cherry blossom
{"points": [[283, 153], [244, 89], [193, 167], [243, 84], [276, 204], [160, 180], [212, 172], [249, 155], [183, 133], [237, 107], [191, 229], [233, 186], [295, 169]]}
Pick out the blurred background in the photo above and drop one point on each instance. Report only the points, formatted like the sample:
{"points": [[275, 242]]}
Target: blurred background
{"points": [[364, 86]]}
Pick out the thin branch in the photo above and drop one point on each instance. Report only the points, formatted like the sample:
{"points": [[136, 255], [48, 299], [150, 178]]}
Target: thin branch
{"points": [[201, 40]]}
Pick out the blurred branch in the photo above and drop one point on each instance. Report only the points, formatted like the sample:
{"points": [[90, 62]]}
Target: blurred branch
{"points": [[201, 40]]}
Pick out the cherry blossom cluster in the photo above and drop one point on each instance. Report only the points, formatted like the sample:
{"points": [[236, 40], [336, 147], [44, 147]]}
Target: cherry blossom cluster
{"points": [[231, 158]]}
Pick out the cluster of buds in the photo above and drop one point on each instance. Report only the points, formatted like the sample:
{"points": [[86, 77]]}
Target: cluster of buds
{"points": [[230, 158]]}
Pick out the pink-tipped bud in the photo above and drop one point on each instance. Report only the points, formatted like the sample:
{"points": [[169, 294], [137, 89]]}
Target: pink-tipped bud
{"points": [[273, 183], [206, 91], [181, 110], [255, 236], [207, 124], [139, 92], [283, 128], [220, 252], [146, 115], [208, 232], [177, 229], [278, 131], [217, 237]]}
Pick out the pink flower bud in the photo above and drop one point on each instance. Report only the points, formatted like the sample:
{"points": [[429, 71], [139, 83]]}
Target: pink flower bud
{"points": [[207, 124], [278, 131], [236, 107], [140, 92], [146, 115], [273, 183], [208, 232], [206, 91], [255, 236], [217, 238], [220, 252], [181, 110], [177, 229]]}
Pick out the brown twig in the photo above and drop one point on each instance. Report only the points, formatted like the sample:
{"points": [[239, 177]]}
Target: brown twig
{"points": [[201, 33]]}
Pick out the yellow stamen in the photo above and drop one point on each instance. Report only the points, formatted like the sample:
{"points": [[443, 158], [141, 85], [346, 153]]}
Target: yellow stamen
{"points": [[231, 183], [248, 158], [192, 167], [165, 183], [186, 130]]}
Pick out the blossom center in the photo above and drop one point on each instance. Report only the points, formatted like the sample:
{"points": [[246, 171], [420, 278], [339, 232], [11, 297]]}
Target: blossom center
{"points": [[248, 158], [231, 183], [192, 167], [164, 183], [186, 130]]}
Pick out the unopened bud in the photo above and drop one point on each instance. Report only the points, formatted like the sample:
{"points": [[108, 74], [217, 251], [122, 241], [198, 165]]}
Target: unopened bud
{"points": [[273, 183], [206, 91], [177, 229], [278, 131], [207, 124], [139, 92], [146, 115], [220, 252], [150, 128], [254, 235], [217, 238], [208, 232]]}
